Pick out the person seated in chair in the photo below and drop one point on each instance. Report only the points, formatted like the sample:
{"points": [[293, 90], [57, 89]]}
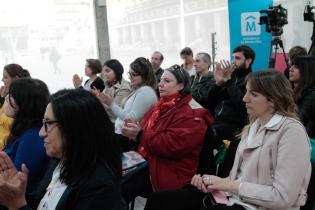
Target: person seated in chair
{"points": [[170, 136], [272, 165]]}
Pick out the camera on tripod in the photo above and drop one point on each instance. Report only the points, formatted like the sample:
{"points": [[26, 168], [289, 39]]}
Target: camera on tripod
{"points": [[308, 13], [276, 17]]}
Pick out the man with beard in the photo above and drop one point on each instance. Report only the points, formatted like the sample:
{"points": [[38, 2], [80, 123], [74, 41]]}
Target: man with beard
{"points": [[225, 102]]}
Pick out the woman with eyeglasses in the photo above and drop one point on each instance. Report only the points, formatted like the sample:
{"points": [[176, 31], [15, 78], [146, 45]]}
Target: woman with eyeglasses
{"points": [[26, 103], [142, 97], [170, 136], [92, 68], [272, 166], [115, 85], [86, 170], [11, 72], [302, 76]]}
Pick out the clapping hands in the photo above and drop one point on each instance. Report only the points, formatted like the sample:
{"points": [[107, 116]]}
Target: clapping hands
{"points": [[223, 72], [12, 183]]}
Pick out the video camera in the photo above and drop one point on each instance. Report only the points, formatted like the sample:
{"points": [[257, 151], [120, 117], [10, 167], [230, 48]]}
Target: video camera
{"points": [[308, 13], [276, 17]]}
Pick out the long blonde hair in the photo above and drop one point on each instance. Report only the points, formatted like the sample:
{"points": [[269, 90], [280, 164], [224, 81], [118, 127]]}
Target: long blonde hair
{"points": [[277, 89]]}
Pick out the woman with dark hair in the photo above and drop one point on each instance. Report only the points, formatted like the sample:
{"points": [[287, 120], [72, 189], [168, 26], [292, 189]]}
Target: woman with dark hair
{"points": [[302, 75], [170, 136], [11, 72], [142, 97], [26, 104], [115, 85], [87, 169], [92, 68], [272, 166]]}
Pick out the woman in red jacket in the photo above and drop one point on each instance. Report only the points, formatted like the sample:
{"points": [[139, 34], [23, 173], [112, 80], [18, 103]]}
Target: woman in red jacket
{"points": [[170, 135]]}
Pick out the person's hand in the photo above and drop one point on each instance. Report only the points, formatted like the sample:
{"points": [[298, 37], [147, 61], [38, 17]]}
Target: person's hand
{"points": [[217, 183], [130, 129], [12, 183], [77, 81], [104, 98], [3, 91], [197, 181], [223, 72], [226, 69]]}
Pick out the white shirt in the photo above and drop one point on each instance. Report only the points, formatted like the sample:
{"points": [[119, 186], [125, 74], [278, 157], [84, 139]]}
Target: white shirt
{"points": [[54, 192]]}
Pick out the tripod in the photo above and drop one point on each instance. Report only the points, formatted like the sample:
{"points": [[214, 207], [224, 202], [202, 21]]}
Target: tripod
{"points": [[276, 42], [312, 50]]}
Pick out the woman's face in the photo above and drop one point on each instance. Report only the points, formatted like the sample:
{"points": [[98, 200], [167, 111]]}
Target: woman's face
{"points": [[294, 74], [88, 71], [7, 79], [136, 79], [257, 105], [11, 108], [109, 74], [168, 84], [51, 134]]}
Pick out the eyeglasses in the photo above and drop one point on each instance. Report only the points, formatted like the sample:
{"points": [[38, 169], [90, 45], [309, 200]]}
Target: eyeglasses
{"points": [[48, 123], [133, 74]]}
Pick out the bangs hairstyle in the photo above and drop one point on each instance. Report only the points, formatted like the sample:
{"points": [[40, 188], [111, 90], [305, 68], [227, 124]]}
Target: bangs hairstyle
{"points": [[306, 66], [87, 135], [31, 97], [182, 77], [143, 67], [276, 88]]}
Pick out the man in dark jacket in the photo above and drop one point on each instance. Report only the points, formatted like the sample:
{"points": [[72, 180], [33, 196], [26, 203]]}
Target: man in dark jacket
{"points": [[225, 99], [203, 80]]}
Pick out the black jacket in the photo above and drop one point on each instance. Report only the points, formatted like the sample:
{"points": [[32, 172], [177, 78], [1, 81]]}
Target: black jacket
{"points": [[98, 192], [226, 104], [306, 107], [200, 88]]}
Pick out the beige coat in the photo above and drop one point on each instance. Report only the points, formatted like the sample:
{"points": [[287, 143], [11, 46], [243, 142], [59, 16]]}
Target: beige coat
{"points": [[277, 167], [119, 92]]}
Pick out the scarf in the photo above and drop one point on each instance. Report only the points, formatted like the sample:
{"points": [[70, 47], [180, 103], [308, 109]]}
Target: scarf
{"points": [[163, 106]]}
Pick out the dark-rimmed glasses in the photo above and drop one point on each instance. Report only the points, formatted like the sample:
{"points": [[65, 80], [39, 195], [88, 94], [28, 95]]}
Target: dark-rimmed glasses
{"points": [[48, 123]]}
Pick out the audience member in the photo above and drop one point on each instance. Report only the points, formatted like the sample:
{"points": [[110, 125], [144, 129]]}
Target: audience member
{"points": [[115, 85], [92, 68], [203, 80], [10, 72], [142, 97], [272, 166], [170, 134], [156, 61], [87, 169], [186, 54], [225, 101], [293, 53], [302, 75], [26, 104]]}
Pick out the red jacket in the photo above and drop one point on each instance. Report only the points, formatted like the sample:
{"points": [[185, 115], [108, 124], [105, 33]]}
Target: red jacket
{"points": [[174, 143]]}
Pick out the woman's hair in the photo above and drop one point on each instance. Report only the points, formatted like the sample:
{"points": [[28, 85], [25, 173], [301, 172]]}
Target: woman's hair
{"points": [[31, 97], [276, 88], [182, 77], [306, 65], [87, 135], [143, 67], [116, 66], [95, 65], [15, 70]]}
